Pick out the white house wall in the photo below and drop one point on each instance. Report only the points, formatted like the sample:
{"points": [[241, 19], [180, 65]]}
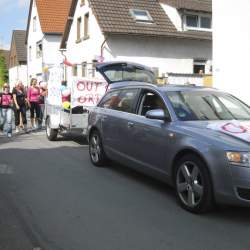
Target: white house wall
{"points": [[231, 48], [51, 53], [166, 54], [34, 63], [50, 45], [174, 15], [87, 50], [18, 73]]}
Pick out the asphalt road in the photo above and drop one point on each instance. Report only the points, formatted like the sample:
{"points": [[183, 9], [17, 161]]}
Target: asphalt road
{"points": [[51, 197]]}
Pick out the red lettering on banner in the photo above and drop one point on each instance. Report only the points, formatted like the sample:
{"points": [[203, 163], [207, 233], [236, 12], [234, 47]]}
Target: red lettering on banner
{"points": [[81, 86], [96, 86], [88, 92], [89, 86], [93, 99]]}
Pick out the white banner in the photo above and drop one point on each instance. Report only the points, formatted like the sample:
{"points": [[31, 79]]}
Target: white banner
{"points": [[54, 86], [234, 128], [87, 92]]}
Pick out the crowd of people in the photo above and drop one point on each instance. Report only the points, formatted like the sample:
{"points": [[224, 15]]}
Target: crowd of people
{"points": [[19, 101]]}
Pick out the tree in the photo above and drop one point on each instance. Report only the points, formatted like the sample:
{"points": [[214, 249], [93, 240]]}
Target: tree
{"points": [[3, 71]]}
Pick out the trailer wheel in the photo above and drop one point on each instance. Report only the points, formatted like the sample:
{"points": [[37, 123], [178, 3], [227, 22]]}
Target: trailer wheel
{"points": [[50, 132]]}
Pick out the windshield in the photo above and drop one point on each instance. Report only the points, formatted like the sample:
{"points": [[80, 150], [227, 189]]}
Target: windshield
{"points": [[118, 73], [201, 105]]}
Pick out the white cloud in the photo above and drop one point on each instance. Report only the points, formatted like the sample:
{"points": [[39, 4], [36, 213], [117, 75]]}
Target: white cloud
{"points": [[4, 3], [3, 44], [6, 46], [10, 5], [23, 3], [7, 3]]}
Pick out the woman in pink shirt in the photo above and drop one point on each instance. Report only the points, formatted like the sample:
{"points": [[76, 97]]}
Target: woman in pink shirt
{"points": [[33, 97], [6, 102]]}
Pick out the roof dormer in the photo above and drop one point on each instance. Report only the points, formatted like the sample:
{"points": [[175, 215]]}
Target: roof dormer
{"points": [[189, 15]]}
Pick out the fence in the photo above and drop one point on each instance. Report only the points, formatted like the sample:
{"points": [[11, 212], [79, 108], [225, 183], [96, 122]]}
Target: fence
{"points": [[186, 79]]}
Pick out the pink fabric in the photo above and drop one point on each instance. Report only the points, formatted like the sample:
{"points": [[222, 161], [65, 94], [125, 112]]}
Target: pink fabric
{"points": [[65, 99], [6, 99], [33, 94]]}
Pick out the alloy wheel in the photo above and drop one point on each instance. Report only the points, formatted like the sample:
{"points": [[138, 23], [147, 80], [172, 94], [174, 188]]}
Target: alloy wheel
{"points": [[190, 185], [95, 148]]}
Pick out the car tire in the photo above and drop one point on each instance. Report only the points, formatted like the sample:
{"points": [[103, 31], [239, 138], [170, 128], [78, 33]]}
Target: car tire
{"points": [[193, 185], [50, 132], [96, 151]]}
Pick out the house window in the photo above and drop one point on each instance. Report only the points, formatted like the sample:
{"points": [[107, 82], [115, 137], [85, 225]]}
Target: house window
{"points": [[199, 66], [39, 49], [74, 70], [198, 22], [205, 22], [192, 21], [79, 24], [34, 24], [82, 2], [84, 69], [30, 56], [86, 26], [141, 15]]}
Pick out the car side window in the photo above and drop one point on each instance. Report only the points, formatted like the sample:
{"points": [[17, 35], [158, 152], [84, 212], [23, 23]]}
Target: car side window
{"points": [[111, 100], [150, 101], [127, 99], [121, 100]]}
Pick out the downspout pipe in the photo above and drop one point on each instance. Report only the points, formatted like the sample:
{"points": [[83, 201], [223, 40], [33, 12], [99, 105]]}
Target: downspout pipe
{"points": [[65, 69], [102, 46]]}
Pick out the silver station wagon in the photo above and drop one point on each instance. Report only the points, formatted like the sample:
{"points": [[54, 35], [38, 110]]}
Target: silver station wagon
{"points": [[196, 139]]}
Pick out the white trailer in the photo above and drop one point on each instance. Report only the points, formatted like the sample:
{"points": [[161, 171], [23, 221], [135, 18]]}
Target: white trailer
{"points": [[85, 94]]}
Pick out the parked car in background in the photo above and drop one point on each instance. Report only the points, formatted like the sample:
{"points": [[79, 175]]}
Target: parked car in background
{"points": [[195, 139]]}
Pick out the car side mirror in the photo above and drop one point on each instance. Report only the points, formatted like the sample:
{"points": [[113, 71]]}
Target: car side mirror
{"points": [[157, 114]]}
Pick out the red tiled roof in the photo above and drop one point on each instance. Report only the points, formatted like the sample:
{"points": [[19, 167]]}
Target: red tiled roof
{"points": [[53, 14]]}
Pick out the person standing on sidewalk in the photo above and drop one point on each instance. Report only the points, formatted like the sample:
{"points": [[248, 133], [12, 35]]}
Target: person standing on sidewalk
{"points": [[20, 102], [6, 110], [43, 94], [1, 125], [33, 97]]}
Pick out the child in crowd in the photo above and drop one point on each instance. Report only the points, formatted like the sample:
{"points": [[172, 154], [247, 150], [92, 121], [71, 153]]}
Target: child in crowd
{"points": [[6, 102]]}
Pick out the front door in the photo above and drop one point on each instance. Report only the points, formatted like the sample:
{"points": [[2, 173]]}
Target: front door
{"points": [[152, 137]]}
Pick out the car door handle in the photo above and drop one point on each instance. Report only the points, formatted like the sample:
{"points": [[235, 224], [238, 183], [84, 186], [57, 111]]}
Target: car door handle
{"points": [[131, 124]]}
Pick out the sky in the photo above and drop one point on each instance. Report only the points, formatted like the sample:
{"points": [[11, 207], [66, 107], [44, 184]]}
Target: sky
{"points": [[13, 15]]}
